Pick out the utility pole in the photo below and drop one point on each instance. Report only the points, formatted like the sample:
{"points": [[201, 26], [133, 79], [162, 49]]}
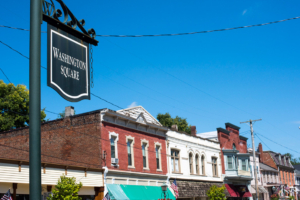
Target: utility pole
{"points": [[35, 100], [254, 157]]}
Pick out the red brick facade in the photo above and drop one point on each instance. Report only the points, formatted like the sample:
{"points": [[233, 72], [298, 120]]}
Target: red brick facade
{"points": [[138, 157], [72, 141], [227, 138], [268, 160]]}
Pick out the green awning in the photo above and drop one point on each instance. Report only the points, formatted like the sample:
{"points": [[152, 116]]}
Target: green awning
{"points": [[137, 192]]}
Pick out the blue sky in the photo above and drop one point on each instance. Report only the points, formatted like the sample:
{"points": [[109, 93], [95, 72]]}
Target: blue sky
{"points": [[210, 79]]}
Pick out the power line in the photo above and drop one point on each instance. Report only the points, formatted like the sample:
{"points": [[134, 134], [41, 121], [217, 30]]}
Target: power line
{"points": [[262, 140], [106, 101], [17, 51], [277, 143], [191, 33], [5, 75], [177, 34]]}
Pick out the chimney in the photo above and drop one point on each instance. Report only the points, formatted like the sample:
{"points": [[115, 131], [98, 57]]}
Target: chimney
{"points": [[69, 111], [260, 150], [193, 130], [174, 127]]}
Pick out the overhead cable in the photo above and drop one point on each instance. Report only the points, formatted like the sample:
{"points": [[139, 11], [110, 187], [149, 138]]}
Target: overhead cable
{"points": [[177, 34], [5, 75], [197, 32]]}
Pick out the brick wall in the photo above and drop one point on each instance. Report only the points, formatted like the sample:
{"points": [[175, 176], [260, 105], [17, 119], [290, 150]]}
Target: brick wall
{"points": [[227, 141], [73, 141], [138, 157]]}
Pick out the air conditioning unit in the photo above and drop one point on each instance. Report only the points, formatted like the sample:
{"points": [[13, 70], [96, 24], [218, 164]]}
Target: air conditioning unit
{"points": [[115, 161]]}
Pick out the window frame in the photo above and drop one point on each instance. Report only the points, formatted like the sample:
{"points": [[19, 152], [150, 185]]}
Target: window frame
{"points": [[130, 138], [197, 166], [232, 160], [174, 160], [214, 166], [116, 139], [191, 163], [146, 142], [157, 144], [203, 165]]}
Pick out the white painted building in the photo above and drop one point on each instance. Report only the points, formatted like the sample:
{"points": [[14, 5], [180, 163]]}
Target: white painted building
{"points": [[297, 180], [15, 175], [194, 162]]}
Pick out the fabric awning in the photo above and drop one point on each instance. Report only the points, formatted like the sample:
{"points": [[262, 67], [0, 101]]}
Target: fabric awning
{"points": [[238, 190], [137, 192]]}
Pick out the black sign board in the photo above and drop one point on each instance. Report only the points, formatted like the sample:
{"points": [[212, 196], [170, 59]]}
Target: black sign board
{"points": [[68, 65]]}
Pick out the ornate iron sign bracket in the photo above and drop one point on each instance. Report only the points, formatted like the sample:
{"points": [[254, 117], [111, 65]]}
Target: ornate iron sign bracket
{"points": [[51, 15]]}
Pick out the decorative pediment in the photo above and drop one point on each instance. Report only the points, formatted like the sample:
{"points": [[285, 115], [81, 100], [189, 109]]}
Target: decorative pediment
{"points": [[140, 114]]}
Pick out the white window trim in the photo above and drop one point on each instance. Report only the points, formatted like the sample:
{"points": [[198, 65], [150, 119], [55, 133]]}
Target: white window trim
{"points": [[159, 154], [179, 160], [144, 141], [113, 134], [199, 163], [204, 164], [128, 137], [192, 159]]}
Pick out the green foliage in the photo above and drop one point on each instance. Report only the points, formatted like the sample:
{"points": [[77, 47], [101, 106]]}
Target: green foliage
{"points": [[294, 161], [168, 121], [274, 197], [14, 106], [216, 193], [291, 197], [66, 189]]}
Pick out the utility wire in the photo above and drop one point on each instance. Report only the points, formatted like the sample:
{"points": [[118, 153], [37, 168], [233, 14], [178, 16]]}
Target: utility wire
{"points": [[176, 34], [262, 141], [5, 75], [191, 33], [277, 143], [17, 51]]}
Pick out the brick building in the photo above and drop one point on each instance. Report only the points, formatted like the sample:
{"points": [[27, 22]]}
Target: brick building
{"points": [[235, 160], [285, 169], [69, 146], [134, 145]]}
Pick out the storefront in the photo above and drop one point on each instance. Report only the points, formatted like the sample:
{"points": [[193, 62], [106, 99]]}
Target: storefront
{"points": [[195, 190], [261, 191], [238, 191]]}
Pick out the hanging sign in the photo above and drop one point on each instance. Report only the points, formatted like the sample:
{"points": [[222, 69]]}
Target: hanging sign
{"points": [[68, 65]]}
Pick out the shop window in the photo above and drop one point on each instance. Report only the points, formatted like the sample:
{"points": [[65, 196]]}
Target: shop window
{"points": [[191, 163], [197, 164], [175, 161]]}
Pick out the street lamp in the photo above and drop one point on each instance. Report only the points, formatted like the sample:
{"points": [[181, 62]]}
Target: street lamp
{"points": [[273, 189], [164, 188]]}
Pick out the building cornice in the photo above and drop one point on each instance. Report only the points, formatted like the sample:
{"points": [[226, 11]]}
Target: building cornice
{"points": [[120, 172], [223, 130], [232, 126], [184, 142], [243, 138]]}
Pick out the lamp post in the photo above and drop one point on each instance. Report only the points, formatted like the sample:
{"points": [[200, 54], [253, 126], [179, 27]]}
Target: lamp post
{"points": [[164, 188]]}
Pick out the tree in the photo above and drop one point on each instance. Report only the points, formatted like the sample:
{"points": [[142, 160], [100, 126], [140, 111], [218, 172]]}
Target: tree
{"points": [[294, 161], [168, 121], [66, 189], [216, 193], [14, 106]]}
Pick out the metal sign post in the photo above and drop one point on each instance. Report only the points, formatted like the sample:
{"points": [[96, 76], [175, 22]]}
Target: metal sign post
{"points": [[35, 100]]}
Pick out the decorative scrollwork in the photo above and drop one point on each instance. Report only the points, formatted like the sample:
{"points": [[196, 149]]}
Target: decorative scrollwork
{"points": [[50, 10]]}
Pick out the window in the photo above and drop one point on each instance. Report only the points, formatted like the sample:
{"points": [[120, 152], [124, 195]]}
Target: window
{"points": [[229, 162], [113, 147], [144, 155], [191, 163], [175, 161], [233, 147], [157, 150], [129, 152], [214, 166], [244, 167], [203, 165], [197, 164], [250, 166], [145, 145]]}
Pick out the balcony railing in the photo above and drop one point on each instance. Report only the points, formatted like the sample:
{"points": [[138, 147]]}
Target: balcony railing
{"points": [[237, 173]]}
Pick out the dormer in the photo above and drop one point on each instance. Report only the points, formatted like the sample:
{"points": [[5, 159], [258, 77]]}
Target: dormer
{"points": [[279, 156], [284, 160]]}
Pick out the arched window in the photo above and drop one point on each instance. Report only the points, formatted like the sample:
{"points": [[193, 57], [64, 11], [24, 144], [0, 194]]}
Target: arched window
{"points": [[202, 165], [197, 164], [191, 163], [233, 147]]}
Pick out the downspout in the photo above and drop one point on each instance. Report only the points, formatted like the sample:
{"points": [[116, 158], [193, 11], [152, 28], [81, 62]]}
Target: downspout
{"points": [[104, 179]]}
